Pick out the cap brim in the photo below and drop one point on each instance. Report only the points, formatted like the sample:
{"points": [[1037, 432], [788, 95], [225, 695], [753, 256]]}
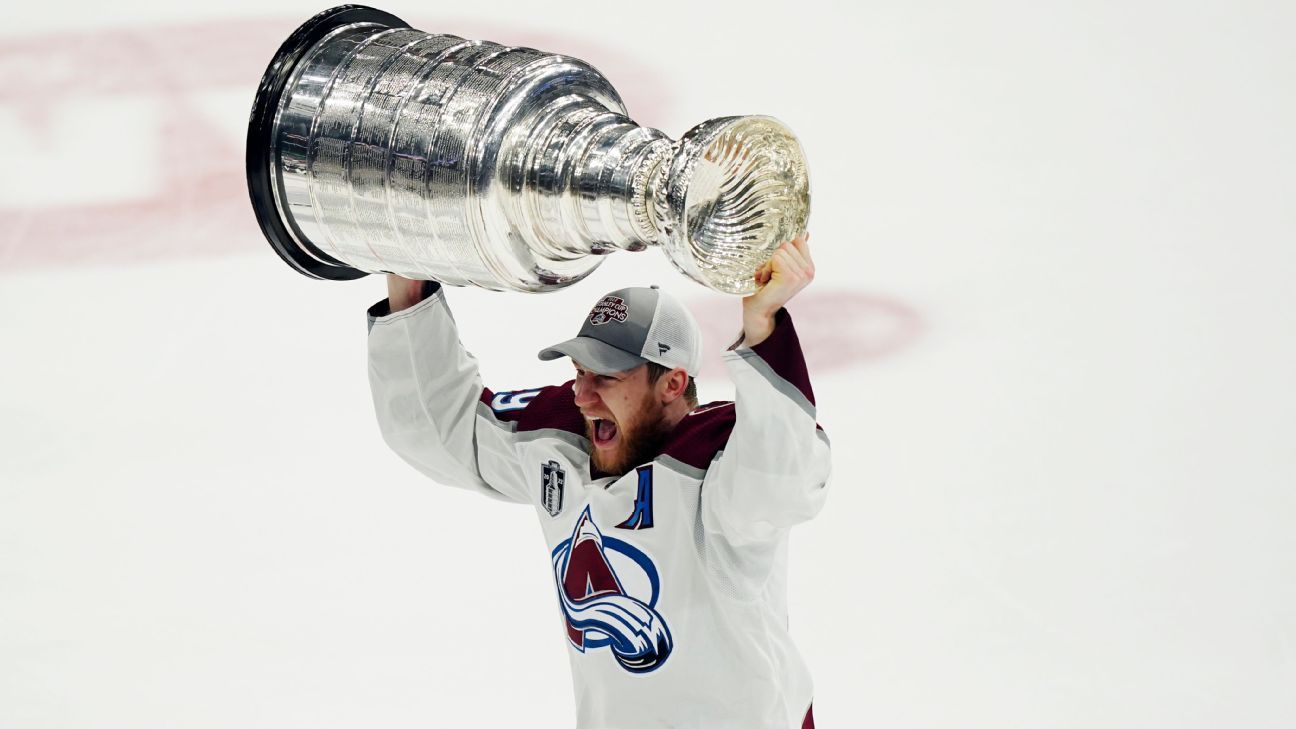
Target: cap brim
{"points": [[594, 355]]}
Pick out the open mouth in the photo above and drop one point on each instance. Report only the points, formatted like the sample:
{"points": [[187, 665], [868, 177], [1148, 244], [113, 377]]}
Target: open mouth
{"points": [[605, 431]]}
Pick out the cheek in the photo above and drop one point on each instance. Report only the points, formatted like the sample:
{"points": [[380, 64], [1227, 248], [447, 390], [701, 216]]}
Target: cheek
{"points": [[619, 402]]}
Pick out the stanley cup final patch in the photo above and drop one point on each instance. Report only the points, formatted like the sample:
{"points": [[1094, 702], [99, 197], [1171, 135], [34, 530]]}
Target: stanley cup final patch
{"points": [[609, 308], [553, 479]]}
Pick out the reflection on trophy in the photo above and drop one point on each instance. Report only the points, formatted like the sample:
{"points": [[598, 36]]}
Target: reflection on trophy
{"points": [[377, 148]]}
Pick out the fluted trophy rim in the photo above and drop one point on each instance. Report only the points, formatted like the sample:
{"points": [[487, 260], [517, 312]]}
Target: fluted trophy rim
{"points": [[264, 184], [677, 177]]}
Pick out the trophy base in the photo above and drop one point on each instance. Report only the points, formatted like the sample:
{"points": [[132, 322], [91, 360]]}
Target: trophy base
{"points": [[264, 185]]}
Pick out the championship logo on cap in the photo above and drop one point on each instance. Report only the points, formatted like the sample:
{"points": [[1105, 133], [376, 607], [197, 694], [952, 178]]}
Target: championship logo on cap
{"points": [[607, 309]]}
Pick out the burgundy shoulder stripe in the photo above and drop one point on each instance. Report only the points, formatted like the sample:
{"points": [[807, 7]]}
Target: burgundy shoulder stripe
{"points": [[781, 350], [701, 434], [545, 407]]}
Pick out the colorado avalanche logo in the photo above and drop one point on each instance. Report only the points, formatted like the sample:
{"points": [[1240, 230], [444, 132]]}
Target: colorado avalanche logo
{"points": [[598, 604]]}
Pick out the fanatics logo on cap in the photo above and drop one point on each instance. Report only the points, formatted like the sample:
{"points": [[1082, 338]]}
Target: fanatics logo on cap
{"points": [[609, 308]]}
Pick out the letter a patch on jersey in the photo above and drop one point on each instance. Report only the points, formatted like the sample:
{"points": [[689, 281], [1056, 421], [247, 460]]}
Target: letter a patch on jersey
{"points": [[642, 516]]}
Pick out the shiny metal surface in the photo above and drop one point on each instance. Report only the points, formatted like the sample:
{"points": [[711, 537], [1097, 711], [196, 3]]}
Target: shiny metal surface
{"points": [[472, 163]]}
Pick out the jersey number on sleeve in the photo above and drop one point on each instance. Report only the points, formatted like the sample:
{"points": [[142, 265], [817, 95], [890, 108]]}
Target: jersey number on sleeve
{"points": [[516, 400]]}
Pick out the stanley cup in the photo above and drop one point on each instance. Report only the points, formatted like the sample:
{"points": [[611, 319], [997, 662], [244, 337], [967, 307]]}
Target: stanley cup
{"points": [[377, 148]]}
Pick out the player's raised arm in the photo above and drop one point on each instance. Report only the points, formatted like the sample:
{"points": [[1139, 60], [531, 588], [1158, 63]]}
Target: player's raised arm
{"points": [[427, 394], [774, 470], [786, 273], [402, 293]]}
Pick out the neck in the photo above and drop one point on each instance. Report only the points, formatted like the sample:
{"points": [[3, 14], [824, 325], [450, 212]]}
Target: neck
{"points": [[675, 412]]}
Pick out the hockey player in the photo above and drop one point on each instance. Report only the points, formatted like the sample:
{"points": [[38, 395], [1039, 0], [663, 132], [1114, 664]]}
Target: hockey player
{"points": [[666, 521]]}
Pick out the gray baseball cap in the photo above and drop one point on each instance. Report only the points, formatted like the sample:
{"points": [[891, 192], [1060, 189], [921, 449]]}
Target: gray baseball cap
{"points": [[629, 327]]}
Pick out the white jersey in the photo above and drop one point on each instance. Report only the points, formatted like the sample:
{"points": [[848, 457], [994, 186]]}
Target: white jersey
{"points": [[671, 579]]}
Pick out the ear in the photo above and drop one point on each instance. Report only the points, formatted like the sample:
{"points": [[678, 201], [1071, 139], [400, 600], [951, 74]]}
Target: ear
{"points": [[672, 385]]}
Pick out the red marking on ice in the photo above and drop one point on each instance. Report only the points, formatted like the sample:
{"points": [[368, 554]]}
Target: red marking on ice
{"points": [[202, 207], [838, 329]]}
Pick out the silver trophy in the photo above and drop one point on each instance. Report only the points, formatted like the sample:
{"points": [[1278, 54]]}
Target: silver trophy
{"points": [[377, 148]]}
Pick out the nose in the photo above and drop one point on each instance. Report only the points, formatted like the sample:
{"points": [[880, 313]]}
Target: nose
{"points": [[583, 388]]}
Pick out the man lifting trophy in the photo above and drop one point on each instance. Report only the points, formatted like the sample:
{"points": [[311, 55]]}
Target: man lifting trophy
{"points": [[374, 147]]}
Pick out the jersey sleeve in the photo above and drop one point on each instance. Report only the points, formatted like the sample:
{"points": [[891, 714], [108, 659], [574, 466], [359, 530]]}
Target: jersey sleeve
{"points": [[432, 408], [773, 472]]}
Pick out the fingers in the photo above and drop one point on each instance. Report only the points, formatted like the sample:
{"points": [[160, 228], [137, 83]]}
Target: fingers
{"points": [[798, 253], [802, 244], [795, 254], [790, 260], [789, 265]]}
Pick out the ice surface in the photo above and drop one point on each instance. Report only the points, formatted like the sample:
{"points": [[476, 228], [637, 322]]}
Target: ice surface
{"points": [[1051, 336]]}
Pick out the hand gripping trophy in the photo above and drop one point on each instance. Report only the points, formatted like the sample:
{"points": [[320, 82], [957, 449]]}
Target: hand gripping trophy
{"points": [[377, 148]]}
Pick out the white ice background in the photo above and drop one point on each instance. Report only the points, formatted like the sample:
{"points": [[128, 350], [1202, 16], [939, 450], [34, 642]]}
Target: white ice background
{"points": [[1068, 500]]}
